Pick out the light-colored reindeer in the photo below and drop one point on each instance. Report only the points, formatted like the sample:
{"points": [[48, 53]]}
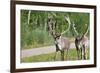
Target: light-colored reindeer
{"points": [[81, 43], [61, 43]]}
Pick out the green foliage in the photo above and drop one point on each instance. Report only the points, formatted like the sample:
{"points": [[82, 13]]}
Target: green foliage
{"points": [[36, 38], [35, 33]]}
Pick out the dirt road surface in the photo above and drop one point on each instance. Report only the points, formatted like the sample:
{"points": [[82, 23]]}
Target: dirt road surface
{"points": [[41, 50]]}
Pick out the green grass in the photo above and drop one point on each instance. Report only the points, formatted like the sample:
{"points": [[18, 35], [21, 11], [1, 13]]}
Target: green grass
{"points": [[72, 55]]}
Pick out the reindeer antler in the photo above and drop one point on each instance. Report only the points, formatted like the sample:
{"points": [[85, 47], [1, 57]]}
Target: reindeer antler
{"points": [[86, 30], [75, 29], [69, 22], [68, 19]]}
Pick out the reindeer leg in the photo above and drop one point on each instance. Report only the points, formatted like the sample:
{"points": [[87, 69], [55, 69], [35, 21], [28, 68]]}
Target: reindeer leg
{"points": [[66, 55], [55, 55], [57, 49], [81, 53], [62, 55], [78, 52], [77, 49], [84, 52]]}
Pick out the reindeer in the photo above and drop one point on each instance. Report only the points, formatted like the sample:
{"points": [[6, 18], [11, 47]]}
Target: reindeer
{"points": [[81, 43], [61, 43]]}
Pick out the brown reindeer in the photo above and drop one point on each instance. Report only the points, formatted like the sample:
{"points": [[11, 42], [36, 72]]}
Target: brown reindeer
{"points": [[61, 43], [81, 43]]}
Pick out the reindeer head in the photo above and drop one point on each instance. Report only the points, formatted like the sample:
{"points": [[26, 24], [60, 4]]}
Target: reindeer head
{"points": [[57, 35]]}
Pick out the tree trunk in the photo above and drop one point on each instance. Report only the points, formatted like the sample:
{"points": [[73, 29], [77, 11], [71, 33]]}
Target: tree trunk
{"points": [[29, 16]]}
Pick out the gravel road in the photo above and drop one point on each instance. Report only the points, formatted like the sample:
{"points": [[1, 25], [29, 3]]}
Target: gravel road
{"points": [[41, 50]]}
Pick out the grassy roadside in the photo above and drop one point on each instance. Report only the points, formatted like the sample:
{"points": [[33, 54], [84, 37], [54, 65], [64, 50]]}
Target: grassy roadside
{"points": [[72, 55]]}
